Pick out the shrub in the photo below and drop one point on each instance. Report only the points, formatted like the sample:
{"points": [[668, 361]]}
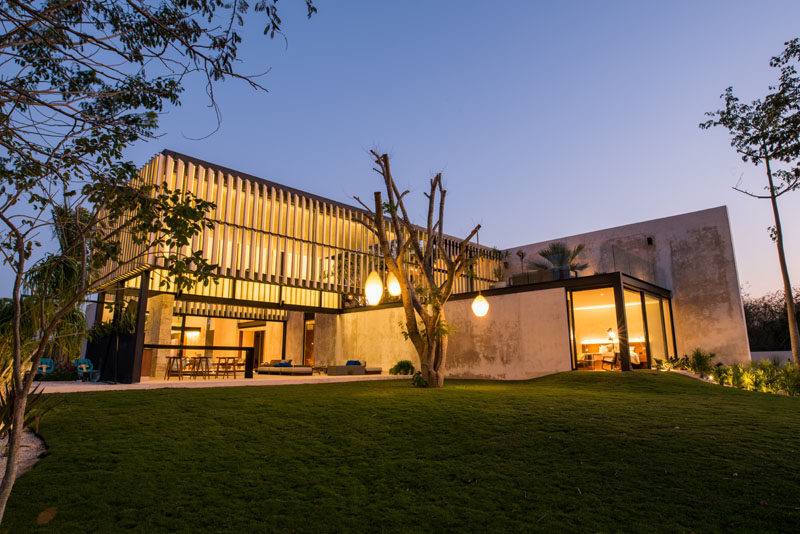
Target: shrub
{"points": [[700, 362], [736, 374], [418, 381], [788, 380], [721, 374], [663, 365], [403, 367], [767, 373]]}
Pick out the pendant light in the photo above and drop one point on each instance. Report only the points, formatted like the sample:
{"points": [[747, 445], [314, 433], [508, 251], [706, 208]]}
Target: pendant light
{"points": [[480, 306], [373, 288], [392, 284]]}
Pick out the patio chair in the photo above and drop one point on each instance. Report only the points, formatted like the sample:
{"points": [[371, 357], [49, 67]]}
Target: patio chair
{"points": [[86, 370], [46, 366]]}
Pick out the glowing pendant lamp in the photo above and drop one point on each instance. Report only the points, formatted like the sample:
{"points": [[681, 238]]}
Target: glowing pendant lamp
{"points": [[373, 288], [480, 306], [392, 284]]}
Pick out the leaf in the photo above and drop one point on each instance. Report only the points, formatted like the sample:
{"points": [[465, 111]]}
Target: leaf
{"points": [[46, 516]]}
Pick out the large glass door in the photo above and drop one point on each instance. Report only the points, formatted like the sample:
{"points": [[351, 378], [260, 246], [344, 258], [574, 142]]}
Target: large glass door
{"points": [[637, 335], [594, 329]]}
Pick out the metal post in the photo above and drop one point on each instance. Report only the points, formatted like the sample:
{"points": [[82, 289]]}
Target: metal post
{"points": [[622, 325], [249, 354], [141, 313]]}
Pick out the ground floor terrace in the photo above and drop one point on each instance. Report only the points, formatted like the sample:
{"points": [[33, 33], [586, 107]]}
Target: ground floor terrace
{"points": [[599, 322]]}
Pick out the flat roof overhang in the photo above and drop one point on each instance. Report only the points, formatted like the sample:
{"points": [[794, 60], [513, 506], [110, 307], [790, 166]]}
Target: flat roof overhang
{"points": [[595, 281]]}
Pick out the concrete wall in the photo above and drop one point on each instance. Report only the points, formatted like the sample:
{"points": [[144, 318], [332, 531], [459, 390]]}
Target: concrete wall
{"points": [[294, 337], [783, 356], [158, 331], [691, 254], [524, 335]]}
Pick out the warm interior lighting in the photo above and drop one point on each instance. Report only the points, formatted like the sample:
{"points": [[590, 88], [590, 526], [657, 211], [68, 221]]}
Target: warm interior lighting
{"points": [[392, 284], [373, 288], [601, 306], [480, 306], [599, 341]]}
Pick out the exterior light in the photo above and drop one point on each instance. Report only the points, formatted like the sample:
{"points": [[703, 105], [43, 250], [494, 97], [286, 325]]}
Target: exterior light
{"points": [[373, 288], [392, 284], [480, 306]]}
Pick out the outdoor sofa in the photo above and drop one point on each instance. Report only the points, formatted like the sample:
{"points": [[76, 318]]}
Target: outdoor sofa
{"points": [[353, 367], [283, 367]]}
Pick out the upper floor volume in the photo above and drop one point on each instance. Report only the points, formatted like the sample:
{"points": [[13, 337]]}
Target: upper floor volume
{"points": [[275, 243]]}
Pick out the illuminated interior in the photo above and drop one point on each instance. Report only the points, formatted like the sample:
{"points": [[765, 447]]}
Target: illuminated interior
{"points": [[594, 330]]}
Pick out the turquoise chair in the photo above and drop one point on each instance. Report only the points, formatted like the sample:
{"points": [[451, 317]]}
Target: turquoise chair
{"points": [[46, 366], [85, 368]]}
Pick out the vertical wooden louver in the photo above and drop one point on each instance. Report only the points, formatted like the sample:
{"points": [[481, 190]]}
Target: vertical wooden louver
{"points": [[272, 239]]}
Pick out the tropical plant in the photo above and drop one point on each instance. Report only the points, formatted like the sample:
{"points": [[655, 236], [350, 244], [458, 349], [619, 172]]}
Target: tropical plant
{"points": [[789, 379], [559, 255], [700, 362], [721, 374], [499, 272], [403, 367]]}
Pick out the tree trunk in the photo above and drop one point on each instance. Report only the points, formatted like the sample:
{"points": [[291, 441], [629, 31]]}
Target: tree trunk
{"points": [[794, 331], [14, 444]]}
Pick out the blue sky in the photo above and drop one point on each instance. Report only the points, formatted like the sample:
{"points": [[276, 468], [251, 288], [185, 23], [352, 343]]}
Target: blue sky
{"points": [[547, 118]]}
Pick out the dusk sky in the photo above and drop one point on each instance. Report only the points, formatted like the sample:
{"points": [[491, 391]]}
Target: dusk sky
{"points": [[547, 118]]}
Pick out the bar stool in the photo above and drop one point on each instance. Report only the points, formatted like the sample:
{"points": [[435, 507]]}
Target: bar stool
{"points": [[174, 367]]}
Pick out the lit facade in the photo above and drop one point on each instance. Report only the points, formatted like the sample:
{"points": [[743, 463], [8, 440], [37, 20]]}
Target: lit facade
{"points": [[291, 268]]}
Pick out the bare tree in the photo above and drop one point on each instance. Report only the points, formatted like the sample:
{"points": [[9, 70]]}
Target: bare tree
{"points": [[410, 252]]}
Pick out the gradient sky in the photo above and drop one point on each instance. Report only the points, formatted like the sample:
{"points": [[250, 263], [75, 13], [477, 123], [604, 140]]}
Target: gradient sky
{"points": [[547, 118]]}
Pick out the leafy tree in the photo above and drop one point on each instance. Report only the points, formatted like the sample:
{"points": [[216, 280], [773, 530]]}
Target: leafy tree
{"points": [[410, 253], [767, 131], [560, 255], [767, 323], [80, 82]]}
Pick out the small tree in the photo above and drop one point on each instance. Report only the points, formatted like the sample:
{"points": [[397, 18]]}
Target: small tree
{"points": [[560, 255], [767, 131], [80, 82], [410, 253]]}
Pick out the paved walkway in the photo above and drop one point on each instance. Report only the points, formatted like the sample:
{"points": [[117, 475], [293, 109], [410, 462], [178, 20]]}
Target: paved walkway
{"points": [[272, 380]]}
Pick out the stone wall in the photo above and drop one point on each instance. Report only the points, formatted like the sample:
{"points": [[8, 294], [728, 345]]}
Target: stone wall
{"points": [[524, 335], [158, 331], [691, 254]]}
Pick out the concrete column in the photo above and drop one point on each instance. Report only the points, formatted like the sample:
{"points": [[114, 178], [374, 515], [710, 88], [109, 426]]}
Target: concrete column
{"points": [[159, 330]]}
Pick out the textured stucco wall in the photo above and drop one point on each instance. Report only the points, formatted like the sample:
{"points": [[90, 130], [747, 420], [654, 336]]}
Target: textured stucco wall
{"points": [[158, 330], [294, 337], [525, 335], [692, 254]]}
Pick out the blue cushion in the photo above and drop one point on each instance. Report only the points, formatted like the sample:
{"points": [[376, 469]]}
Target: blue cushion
{"points": [[283, 364], [353, 362]]}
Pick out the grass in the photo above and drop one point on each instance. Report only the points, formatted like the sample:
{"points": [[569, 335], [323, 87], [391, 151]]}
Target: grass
{"points": [[578, 451]]}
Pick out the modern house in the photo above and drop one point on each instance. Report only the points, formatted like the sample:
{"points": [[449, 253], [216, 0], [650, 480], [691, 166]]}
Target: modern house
{"points": [[292, 266]]}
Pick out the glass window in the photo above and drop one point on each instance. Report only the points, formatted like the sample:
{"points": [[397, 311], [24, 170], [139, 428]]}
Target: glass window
{"points": [[655, 328], [636, 334], [668, 326], [595, 329]]}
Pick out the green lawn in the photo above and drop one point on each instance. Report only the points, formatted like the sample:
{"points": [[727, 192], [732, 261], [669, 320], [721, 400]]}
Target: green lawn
{"points": [[577, 452]]}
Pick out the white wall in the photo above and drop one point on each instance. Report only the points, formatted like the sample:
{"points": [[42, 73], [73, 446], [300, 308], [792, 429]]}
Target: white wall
{"points": [[692, 255], [523, 336]]}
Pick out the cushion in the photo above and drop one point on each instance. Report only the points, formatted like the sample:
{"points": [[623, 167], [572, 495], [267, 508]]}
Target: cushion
{"points": [[353, 362], [283, 364]]}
